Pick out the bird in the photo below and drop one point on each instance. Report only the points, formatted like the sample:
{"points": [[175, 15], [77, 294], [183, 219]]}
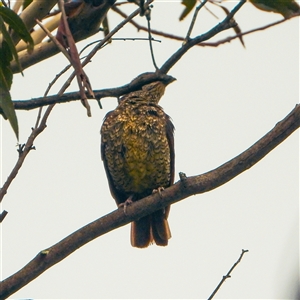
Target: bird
{"points": [[287, 8], [137, 149]]}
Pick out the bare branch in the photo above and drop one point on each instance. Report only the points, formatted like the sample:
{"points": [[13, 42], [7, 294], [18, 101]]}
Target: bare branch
{"points": [[24, 151], [186, 187], [224, 25], [194, 20], [75, 96], [228, 274]]}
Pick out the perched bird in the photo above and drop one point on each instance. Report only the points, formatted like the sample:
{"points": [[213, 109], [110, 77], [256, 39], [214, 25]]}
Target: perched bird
{"points": [[137, 149], [287, 8]]}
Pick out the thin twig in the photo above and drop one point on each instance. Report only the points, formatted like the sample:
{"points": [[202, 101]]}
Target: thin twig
{"points": [[54, 40], [150, 42], [227, 275], [66, 54], [225, 24], [22, 154], [194, 20], [39, 127]]}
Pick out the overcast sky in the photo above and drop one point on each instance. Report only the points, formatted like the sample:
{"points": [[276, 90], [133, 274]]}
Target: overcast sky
{"points": [[223, 101]]}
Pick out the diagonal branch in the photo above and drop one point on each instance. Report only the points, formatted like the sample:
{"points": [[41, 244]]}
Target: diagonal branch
{"points": [[228, 274], [224, 25], [186, 187]]}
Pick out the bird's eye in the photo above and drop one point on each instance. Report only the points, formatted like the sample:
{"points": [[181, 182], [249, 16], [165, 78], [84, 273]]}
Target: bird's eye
{"points": [[152, 112]]}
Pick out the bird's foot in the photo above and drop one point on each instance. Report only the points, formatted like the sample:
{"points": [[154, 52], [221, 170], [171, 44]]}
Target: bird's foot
{"points": [[158, 190], [125, 204]]}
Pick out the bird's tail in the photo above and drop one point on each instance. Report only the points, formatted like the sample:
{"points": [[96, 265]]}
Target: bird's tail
{"points": [[152, 228]]}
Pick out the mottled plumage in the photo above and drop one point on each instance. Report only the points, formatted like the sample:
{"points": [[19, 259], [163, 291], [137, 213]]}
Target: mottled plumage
{"points": [[137, 149]]}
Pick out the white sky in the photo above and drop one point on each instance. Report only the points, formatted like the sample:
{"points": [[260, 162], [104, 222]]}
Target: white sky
{"points": [[223, 101]]}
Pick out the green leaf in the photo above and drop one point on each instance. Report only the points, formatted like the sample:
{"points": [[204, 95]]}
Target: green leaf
{"points": [[6, 75], [7, 107], [5, 71], [189, 5], [26, 3], [16, 23], [9, 42], [287, 8]]}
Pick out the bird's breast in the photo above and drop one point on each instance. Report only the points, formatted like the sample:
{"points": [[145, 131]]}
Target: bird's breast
{"points": [[138, 153]]}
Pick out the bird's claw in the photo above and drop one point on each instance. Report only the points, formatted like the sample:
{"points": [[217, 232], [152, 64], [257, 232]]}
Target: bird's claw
{"points": [[125, 204], [158, 190]]}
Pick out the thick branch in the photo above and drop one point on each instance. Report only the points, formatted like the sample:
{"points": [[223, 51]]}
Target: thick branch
{"points": [[186, 187]]}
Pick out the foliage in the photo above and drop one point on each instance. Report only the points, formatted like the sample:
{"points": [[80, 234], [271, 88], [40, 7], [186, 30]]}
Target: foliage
{"points": [[7, 53], [189, 5]]}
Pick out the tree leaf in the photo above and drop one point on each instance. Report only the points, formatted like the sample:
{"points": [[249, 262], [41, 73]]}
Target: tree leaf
{"points": [[189, 5], [6, 75], [26, 3], [16, 23], [7, 107], [10, 43], [287, 8], [237, 29], [6, 57]]}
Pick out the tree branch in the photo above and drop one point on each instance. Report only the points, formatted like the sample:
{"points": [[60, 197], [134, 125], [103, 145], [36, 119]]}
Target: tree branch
{"points": [[135, 84], [228, 274], [186, 187], [224, 25]]}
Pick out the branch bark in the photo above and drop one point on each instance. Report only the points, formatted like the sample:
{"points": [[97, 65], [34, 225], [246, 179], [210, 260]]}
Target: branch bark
{"points": [[186, 187]]}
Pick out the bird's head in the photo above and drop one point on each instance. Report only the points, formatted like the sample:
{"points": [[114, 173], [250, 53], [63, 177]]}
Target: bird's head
{"points": [[155, 90], [151, 92]]}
